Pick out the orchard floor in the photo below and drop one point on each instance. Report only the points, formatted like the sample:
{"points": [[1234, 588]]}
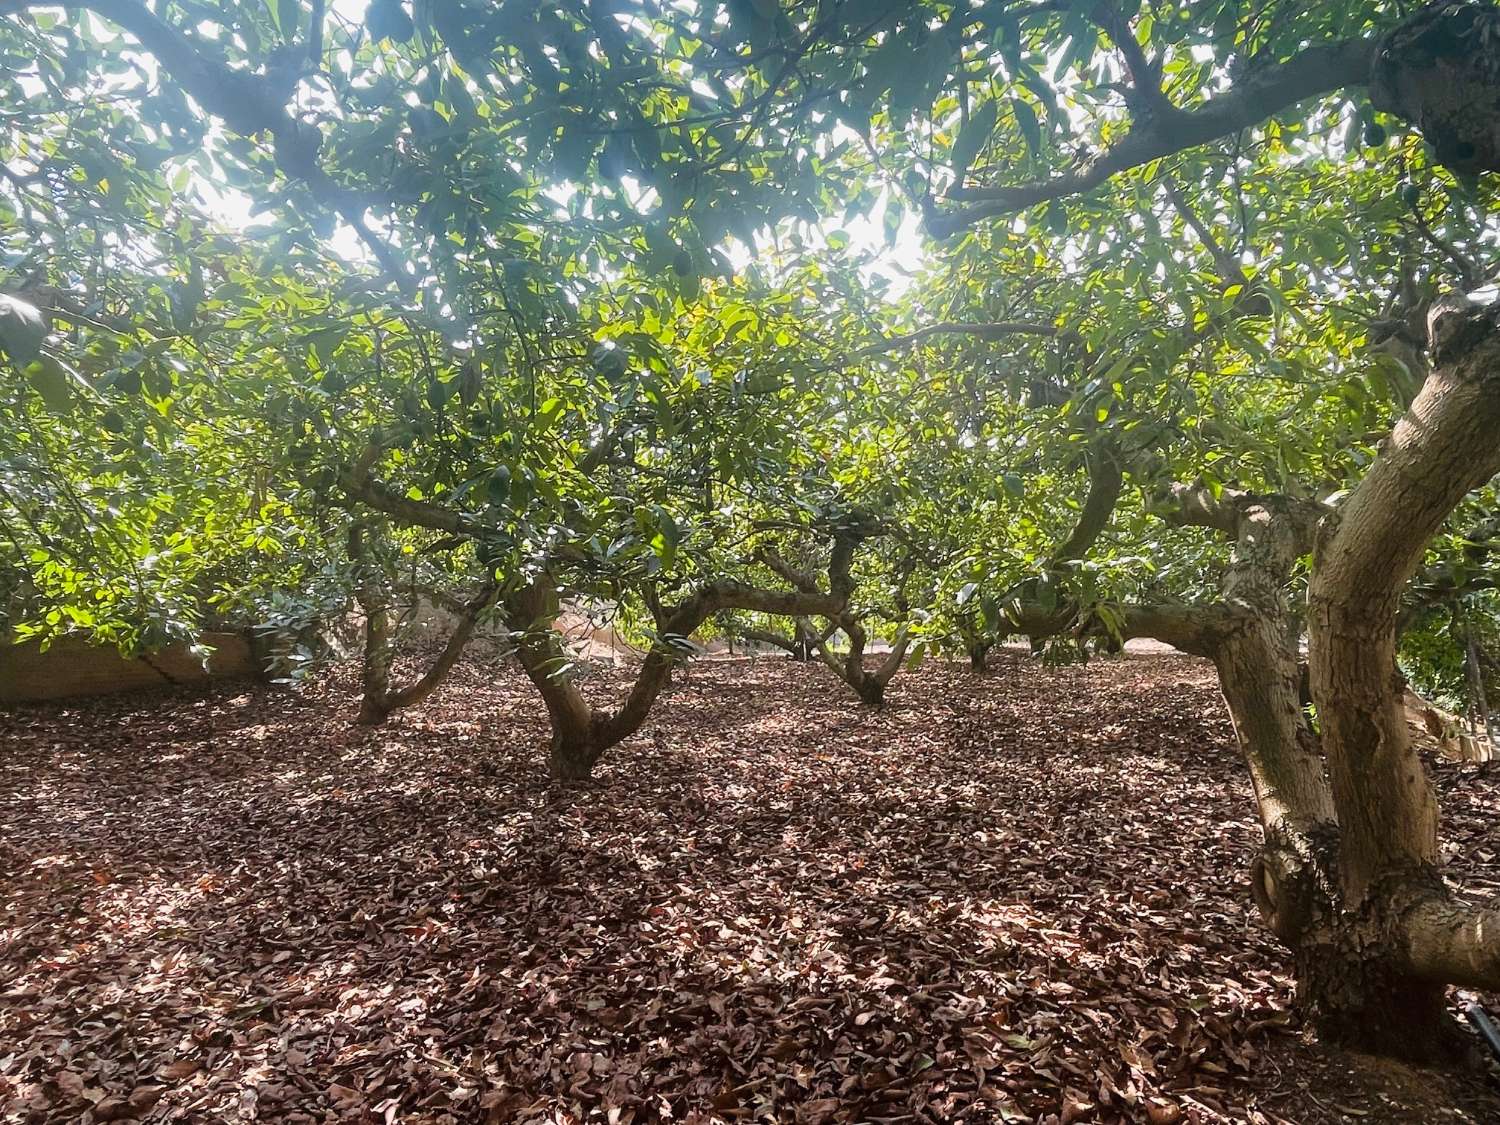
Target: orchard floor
{"points": [[1013, 898]]}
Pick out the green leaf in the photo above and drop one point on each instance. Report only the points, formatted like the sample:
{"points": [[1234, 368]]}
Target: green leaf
{"points": [[22, 329], [973, 136], [288, 15], [1031, 128]]}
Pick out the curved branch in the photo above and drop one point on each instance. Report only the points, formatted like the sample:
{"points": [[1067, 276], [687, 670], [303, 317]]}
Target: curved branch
{"points": [[356, 481], [1319, 69], [468, 621], [1106, 482], [247, 103]]}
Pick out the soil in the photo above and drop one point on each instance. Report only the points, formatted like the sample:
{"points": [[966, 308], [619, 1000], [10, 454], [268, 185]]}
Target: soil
{"points": [[1016, 897]]}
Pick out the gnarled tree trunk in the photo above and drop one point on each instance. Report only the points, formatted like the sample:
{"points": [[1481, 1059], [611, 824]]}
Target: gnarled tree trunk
{"points": [[378, 700], [868, 683], [1402, 935], [580, 733]]}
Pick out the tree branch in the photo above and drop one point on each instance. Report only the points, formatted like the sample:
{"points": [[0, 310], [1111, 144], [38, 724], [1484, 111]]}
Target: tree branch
{"points": [[356, 481], [247, 103], [1319, 69], [1106, 482]]}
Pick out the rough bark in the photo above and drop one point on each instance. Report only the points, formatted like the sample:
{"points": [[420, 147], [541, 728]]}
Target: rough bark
{"points": [[375, 667], [1258, 664], [1403, 934], [575, 744], [1447, 444], [1436, 70]]}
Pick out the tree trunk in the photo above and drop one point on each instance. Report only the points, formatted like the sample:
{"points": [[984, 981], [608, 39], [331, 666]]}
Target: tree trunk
{"points": [[572, 754], [1358, 996], [375, 669], [979, 657], [576, 743], [1400, 936]]}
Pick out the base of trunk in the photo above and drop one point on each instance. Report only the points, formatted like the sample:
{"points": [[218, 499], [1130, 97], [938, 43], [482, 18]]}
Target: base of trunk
{"points": [[572, 760], [871, 694], [1364, 1004], [979, 660]]}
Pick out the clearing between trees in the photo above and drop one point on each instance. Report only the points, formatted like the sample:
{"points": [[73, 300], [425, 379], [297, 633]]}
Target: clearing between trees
{"points": [[1015, 897]]}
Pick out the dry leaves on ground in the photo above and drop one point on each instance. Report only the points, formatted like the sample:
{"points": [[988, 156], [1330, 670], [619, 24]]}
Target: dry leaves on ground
{"points": [[1016, 898]]}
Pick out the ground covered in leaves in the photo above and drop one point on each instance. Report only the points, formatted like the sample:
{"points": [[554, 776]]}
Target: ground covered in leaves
{"points": [[1017, 898]]}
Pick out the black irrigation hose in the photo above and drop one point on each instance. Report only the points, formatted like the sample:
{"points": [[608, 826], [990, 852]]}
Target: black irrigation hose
{"points": [[1486, 1027]]}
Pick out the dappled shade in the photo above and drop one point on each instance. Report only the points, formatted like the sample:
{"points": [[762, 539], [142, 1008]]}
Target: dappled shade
{"points": [[997, 896]]}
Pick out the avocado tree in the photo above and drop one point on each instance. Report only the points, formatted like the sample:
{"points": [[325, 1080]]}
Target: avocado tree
{"points": [[659, 429], [1214, 99]]}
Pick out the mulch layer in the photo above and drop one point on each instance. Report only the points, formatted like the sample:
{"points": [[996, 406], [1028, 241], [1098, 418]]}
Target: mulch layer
{"points": [[1017, 897]]}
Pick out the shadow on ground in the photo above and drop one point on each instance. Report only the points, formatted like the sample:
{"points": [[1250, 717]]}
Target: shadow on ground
{"points": [[1016, 897]]}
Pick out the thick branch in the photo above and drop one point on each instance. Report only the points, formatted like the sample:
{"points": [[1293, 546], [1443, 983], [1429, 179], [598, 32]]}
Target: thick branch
{"points": [[1195, 629], [893, 661], [681, 623], [1196, 505], [1106, 482], [1447, 444], [378, 699], [357, 482], [1448, 943], [1319, 69], [799, 579]]}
